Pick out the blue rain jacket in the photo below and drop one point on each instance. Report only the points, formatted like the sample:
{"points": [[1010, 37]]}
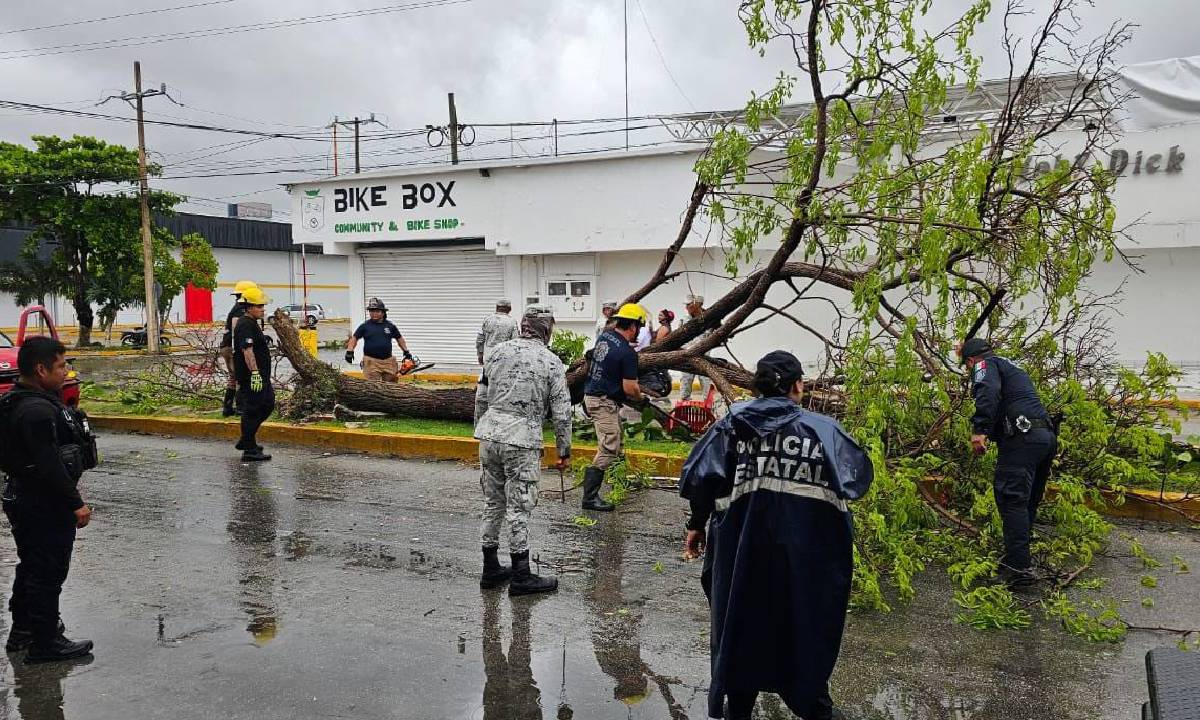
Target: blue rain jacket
{"points": [[773, 481]]}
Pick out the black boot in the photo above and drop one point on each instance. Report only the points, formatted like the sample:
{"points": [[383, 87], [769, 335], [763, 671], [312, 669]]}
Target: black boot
{"points": [[494, 574], [241, 445], [593, 478], [59, 648], [255, 455], [227, 408], [525, 582], [1018, 581], [21, 636]]}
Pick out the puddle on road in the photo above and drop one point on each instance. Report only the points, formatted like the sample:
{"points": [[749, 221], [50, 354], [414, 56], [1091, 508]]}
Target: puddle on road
{"points": [[253, 526]]}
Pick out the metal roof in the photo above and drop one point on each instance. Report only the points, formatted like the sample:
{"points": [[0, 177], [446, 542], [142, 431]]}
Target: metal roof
{"points": [[220, 232]]}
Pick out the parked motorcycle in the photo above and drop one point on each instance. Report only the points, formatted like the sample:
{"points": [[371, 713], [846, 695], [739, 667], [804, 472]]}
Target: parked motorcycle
{"points": [[136, 338]]}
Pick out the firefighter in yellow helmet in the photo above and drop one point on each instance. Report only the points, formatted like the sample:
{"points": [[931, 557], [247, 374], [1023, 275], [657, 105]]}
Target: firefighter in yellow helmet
{"points": [[252, 366], [612, 380], [233, 402]]}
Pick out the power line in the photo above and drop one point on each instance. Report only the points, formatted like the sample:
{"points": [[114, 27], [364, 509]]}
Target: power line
{"points": [[137, 40], [14, 105], [661, 57], [114, 17]]}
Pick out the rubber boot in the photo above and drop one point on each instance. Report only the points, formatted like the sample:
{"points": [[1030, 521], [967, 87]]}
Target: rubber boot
{"points": [[494, 574], [525, 582], [59, 648], [593, 478], [227, 408]]}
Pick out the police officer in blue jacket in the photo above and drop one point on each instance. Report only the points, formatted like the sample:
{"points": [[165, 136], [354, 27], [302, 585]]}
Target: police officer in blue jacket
{"points": [[771, 482], [1009, 412]]}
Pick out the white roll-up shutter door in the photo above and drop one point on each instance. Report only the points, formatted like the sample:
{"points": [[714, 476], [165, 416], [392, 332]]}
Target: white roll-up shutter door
{"points": [[438, 299]]}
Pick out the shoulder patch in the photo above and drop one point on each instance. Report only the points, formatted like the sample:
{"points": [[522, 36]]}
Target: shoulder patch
{"points": [[981, 371]]}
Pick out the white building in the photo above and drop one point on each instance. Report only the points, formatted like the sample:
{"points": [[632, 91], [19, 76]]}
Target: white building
{"points": [[439, 243]]}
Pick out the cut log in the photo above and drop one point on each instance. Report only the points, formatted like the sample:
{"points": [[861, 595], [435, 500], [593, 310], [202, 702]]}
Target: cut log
{"points": [[392, 398]]}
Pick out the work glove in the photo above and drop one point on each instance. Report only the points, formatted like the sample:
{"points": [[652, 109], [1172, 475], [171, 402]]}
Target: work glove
{"points": [[256, 381], [408, 355], [350, 356]]}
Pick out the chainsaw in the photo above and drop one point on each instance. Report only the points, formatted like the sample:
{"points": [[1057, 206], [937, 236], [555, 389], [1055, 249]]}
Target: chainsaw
{"points": [[413, 365]]}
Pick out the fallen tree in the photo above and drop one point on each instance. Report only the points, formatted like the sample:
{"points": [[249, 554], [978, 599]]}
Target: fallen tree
{"points": [[321, 386], [954, 192]]}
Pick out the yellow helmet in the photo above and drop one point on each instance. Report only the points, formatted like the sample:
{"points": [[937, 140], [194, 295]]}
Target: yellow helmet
{"points": [[255, 296], [242, 286], [632, 311]]}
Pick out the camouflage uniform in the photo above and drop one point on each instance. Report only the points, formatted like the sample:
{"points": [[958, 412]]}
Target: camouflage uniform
{"points": [[524, 381], [497, 328]]}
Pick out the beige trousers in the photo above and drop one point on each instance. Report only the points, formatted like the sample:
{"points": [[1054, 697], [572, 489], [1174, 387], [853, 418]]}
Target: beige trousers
{"points": [[380, 370], [605, 414]]}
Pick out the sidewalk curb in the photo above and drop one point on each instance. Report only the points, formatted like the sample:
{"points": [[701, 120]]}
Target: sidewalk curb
{"points": [[1138, 505], [435, 447]]}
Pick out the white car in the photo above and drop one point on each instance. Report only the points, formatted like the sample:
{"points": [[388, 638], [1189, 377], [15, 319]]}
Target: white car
{"points": [[311, 313]]}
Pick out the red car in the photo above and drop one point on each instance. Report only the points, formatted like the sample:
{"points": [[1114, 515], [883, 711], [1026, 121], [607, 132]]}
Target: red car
{"points": [[8, 357]]}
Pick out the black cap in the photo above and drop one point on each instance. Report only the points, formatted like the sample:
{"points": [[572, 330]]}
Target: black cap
{"points": [[974, 347], [783, 364]]}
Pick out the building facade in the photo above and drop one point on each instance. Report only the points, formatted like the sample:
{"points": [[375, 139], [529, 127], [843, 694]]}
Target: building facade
{"points": [[438, 244]]}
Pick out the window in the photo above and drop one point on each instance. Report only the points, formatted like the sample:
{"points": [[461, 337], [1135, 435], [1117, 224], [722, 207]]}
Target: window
{"points": [[581, 289], [556, 289]]}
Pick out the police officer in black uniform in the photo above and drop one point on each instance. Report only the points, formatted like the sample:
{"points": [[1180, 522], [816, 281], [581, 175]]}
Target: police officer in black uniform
{"points": [[47, 448], [1009, 412], [252, 366]]}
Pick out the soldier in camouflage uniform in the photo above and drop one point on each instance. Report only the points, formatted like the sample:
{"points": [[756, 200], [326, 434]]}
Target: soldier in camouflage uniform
{"points": [[522, 383], [497, 328]]}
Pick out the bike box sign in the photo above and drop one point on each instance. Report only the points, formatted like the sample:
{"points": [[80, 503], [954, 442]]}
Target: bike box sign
{"points": [[387, 209]]}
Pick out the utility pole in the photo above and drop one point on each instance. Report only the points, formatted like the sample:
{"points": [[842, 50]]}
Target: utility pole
{"points": [[334, 125], [625, 10], [453, 130], [355, 123], [135, 98]]}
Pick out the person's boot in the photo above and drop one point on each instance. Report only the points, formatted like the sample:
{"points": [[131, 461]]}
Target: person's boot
{"points": [[494, 574], [21, 636], [241, 445], [227, 408], [255, 455], [1018, 581], [56, 649], [593, 478], [524, 582]]}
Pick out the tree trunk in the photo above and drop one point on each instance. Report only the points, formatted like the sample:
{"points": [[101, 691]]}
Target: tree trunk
{"points": [[393, 398], [83, 316]]}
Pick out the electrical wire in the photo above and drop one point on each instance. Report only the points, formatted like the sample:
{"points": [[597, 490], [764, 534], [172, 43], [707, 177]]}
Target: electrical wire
{"points": [[662, 58], [13, 105], [139, 40], [115, 17]]}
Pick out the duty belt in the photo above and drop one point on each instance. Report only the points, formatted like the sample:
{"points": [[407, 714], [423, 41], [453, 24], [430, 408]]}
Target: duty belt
{"points": [[1024, 424]]}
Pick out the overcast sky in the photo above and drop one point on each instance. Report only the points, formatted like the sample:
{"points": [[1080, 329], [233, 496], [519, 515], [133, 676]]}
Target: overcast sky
{"points": [[506, 60]]}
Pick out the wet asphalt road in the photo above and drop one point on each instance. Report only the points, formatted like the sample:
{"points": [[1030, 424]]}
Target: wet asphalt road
{"points": [[342, 586]]}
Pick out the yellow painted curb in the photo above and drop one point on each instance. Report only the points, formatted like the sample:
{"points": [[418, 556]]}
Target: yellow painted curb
{"points": [[1139, 504], [85, 353], [437, 447]]}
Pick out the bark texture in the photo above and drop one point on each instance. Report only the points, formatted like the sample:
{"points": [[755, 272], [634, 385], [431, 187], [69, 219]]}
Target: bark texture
{"points": [[393, 398]]}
